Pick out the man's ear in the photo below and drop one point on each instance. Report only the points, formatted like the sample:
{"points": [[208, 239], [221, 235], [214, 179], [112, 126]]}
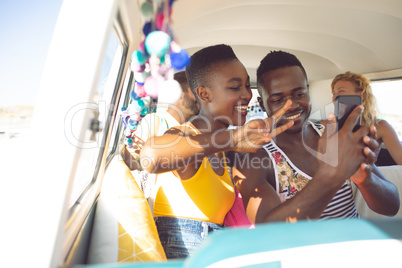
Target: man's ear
{"points": [[261, 103], [203, 94]]}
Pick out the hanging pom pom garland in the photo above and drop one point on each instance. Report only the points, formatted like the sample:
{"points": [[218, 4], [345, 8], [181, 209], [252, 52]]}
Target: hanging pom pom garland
{"points": [[153, 65]]}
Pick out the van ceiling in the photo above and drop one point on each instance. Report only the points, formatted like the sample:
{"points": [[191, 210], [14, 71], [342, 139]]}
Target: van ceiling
{"points": [[328, 36]]}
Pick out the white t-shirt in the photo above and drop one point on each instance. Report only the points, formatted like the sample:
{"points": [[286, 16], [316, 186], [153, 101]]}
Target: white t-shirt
{"points": [[155, 124]]}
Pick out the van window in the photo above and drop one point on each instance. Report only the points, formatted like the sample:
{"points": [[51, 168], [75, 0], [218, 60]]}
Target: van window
{"points": [[92, 147], [388, 102]]}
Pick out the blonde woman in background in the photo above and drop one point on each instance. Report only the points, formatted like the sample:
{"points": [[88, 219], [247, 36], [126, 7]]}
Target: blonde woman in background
{"points": [[356, 84]]}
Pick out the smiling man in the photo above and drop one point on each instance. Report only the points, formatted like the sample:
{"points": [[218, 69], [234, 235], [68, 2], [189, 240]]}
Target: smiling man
{"points": [[277, 181]]}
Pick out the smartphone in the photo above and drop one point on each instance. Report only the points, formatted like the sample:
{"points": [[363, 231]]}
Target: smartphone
{"points": [[344, 105]]}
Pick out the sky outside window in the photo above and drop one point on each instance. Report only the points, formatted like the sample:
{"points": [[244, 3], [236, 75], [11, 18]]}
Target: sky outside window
{"points": [[388, 99]]}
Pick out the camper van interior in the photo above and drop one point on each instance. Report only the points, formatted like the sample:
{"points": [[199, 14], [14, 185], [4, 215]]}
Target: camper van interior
{"points": [[73, 213]]}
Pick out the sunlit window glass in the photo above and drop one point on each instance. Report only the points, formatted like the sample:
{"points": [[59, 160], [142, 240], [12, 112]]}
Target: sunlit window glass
{"points": [[388, 103], [92, 150]]}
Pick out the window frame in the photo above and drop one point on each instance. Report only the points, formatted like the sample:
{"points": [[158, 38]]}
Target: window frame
{"points": [[389, 79], [78, 213]]}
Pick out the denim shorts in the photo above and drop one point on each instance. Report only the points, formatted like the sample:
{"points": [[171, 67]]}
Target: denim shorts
{"points": [[180, 236]]}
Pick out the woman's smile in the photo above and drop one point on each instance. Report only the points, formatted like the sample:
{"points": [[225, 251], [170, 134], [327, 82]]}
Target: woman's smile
{"points": [[241, 109]]}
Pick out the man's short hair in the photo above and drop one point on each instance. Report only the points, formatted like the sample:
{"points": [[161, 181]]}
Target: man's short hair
{"points": [[202, 64], [182, 79], [276, 60]]}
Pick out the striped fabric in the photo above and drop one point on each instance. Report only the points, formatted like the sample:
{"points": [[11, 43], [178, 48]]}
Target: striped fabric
{"points": [[290, 180]]}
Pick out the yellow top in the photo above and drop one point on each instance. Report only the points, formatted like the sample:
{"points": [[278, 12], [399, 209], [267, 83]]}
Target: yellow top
{"points": [[205, 197]]}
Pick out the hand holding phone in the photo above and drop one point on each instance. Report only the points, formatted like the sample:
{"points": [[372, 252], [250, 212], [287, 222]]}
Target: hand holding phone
{"points": [[344, 105]]}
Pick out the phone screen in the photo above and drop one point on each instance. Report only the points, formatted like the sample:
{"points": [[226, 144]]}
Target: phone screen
{"points": [[344, 105]]}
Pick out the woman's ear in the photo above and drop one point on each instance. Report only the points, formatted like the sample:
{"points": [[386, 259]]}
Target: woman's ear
{"points": [[203, 94], [261, 103]]}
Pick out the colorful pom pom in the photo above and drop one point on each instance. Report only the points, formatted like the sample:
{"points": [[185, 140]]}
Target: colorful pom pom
{"points": [[140, 77], [139, 57], [134, 95], [159, 20], [140, 90], [135, 67], [127, 132], [129, 143], [145, 111], [179, 60], [147, 101], [135, 117], [132, 124], [147, 10], [171, 3], [137, 105], [158, 43], [152, 85], [169, 92], [147, 28]]}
